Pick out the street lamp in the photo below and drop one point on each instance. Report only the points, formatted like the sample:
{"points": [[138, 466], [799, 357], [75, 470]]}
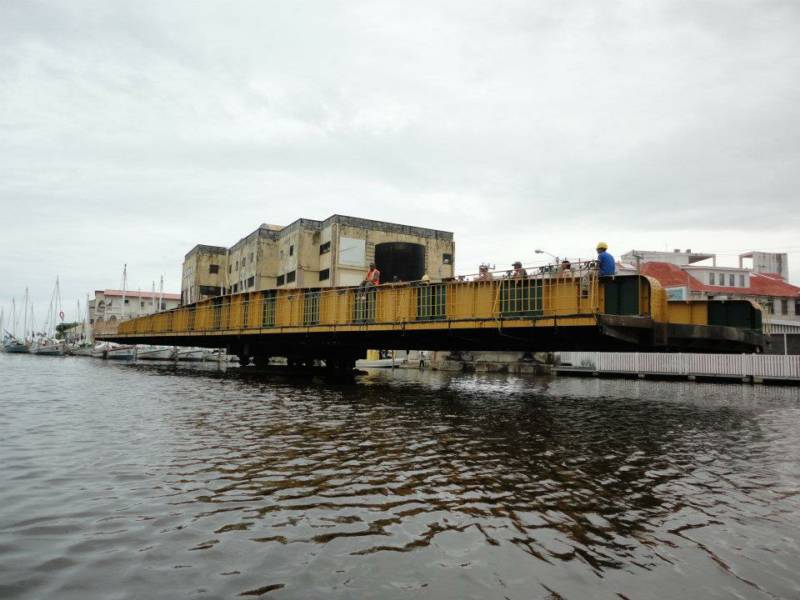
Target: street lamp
{"points": [[537, 251]]}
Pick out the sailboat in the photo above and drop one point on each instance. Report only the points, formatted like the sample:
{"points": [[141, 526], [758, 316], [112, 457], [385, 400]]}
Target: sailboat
{"points": [[11, 343], [84, 345], [45, 343], [111, 350], [156, 352]]}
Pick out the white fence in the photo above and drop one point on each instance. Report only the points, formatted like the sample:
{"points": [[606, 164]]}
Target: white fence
{"points": [[764, 366]]}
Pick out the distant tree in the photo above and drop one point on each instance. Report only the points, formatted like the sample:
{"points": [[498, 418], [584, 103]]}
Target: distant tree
{"points": [[62, 327]]}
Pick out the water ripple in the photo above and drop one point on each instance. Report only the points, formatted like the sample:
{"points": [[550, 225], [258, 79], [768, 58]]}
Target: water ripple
{"points": [[133, 481]]}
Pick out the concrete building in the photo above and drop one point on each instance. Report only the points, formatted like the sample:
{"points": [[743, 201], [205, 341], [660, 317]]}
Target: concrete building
{"points": [[689, 276], [310, 254], [204, 273], [111, 306]]}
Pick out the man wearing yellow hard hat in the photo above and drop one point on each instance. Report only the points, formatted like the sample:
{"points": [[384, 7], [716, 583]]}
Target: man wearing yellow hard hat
{"points": [[606, 265]]}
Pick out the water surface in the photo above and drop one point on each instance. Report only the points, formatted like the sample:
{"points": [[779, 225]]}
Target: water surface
{"points": [[134, 481]]}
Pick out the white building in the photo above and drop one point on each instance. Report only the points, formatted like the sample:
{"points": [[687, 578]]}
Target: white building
{"points": [[116, 305], [691, 275]]}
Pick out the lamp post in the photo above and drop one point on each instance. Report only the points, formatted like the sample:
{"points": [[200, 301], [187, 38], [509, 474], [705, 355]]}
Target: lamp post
{"points": [[538, 251]]}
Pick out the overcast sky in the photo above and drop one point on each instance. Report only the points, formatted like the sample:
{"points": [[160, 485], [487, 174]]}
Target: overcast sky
{"points": [[130, 131]]}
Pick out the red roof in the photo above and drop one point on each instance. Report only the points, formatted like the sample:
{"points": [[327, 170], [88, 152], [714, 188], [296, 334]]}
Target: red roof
{"points": [[761, 284], [138, 294]]}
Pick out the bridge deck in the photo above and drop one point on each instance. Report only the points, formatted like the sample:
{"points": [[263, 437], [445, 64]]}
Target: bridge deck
{"points": [[577, 311]]}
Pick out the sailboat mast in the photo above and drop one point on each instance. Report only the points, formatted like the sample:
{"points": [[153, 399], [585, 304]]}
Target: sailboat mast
{"points": [[25, 317], [161, 292], [124, 286], [59, 306], [14, 317], [86, 319]]}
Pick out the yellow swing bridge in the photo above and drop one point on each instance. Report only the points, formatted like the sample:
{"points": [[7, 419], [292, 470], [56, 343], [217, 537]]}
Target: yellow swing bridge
{"points": [[549, 310]]}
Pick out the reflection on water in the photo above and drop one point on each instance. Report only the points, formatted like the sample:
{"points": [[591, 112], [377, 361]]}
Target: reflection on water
{"points": [[129, 481]]}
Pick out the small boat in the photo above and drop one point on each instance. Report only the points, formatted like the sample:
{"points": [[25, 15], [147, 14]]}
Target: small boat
{"points": [[11, 342], [14, 346], [45, 343], [193, 354], [112, 351], [380, 363], [47, 347], [80, 350], [156, 353], [221, 355]]}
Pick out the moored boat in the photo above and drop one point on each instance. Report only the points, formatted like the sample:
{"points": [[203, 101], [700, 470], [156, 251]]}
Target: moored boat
{"points": [[80, 350], [112, 351], [193, 354], [156, 353], [14, 346], [47, 347]]}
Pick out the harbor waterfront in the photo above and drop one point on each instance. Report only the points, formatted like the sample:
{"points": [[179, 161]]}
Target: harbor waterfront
{"points": [[134, 480]]}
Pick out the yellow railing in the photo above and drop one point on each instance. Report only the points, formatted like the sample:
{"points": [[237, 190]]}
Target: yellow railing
{"points": [[544, 294]]}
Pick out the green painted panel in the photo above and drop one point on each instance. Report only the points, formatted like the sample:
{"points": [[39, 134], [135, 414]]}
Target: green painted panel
{"points": [[622, 295], [734, 314], [521, 298]]}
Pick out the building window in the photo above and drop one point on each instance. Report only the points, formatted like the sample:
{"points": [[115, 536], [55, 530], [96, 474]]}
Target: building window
{"points": [[235, 287], [141, 303], [797, 307], [251, 282], [210, 290], [291, 250], [447, 259], [325, 274], [230, 268], [126, 302], [213, 269], [290, 277], [770, 307], [251, 258], [237, 265], [244, 261], [279, 280], [741, 281], [325, 248], [732, 280], [711, 279]]}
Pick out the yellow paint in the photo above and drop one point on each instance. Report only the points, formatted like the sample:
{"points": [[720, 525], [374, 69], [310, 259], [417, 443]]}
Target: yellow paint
{"points": [[549, 301], [688, 313]]}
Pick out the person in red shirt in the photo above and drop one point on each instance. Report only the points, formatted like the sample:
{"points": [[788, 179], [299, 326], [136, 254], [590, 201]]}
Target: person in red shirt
{"points": [[371, 279], [373, 276]]}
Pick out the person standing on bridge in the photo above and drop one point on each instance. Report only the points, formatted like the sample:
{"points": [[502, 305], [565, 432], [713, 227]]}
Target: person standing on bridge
{"points": [[606, 265], [484, 274], [519, 272]]}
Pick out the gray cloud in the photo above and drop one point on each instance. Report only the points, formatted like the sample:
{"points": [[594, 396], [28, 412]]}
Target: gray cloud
{"points": [[129, 132]]}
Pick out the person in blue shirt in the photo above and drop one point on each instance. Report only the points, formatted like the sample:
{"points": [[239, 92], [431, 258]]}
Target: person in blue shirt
{"points": [[606, 265]]}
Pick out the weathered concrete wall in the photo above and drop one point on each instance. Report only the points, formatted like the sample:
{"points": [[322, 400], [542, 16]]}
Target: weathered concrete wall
{"points": [[196, 272], [257, 261]]}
